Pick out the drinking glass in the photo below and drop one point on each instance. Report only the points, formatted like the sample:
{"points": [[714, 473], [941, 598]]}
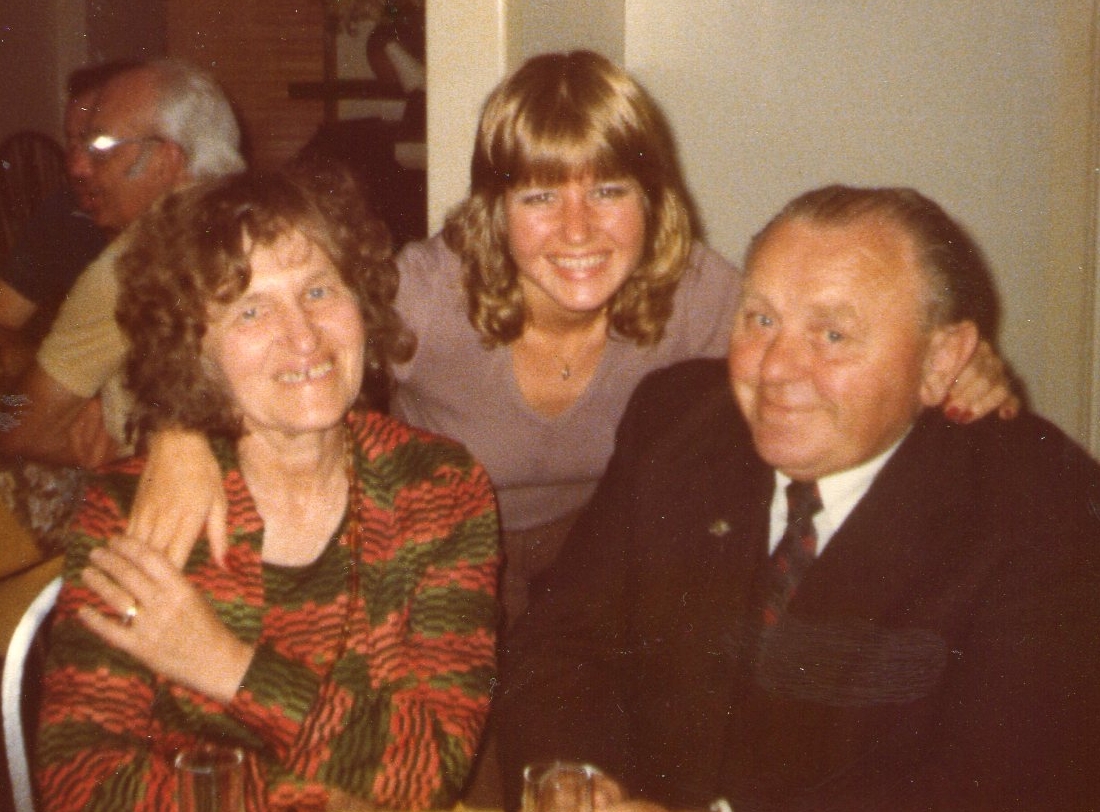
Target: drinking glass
{"points": [[211, 778], [558, 786]]}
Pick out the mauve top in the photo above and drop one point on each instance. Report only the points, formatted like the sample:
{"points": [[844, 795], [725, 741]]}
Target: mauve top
{"points": [[542, 467]]}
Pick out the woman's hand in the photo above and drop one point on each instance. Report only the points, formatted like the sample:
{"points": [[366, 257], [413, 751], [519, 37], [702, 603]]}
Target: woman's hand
{"points": [[165, 622], [180, 492], [981, 387]]}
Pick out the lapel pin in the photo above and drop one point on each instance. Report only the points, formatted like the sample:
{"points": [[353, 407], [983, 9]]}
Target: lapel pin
{"points": [[719, 528]]}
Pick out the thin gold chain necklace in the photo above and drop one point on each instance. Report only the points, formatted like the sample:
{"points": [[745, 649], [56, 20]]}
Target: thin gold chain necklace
{"points": [[598, 332]]}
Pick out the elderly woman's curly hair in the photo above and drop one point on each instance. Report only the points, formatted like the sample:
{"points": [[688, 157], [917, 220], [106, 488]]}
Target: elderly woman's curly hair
{"points": [[193, 249], [561, 117]]}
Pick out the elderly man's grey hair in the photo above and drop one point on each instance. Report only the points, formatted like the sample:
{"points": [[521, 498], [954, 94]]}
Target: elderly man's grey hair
{"points": [[193, 111], [959, 280]]}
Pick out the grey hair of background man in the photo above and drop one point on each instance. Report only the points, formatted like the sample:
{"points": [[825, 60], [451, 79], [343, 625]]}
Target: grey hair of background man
{"points": [[194, 112], [960, 284]]}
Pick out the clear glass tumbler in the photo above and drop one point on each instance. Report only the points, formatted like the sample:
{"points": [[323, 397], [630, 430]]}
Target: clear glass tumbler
{"points": [[210, 778], [558, 786]]}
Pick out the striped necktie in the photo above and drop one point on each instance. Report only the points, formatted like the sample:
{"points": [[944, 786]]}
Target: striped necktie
{"points": [[795, 552]]}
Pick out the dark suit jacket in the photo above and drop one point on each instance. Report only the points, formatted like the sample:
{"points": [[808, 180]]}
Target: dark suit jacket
{"points": [[941, 653]]}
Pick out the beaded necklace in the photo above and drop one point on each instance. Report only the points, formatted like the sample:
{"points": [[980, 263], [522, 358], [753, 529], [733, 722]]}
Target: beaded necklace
{"points": [[355, 544]]}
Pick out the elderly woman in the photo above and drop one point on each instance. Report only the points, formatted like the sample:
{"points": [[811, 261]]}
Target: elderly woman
{"points": [[347, 643]]}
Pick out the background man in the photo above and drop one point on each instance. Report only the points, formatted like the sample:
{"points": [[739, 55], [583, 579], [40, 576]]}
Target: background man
{"points": [[938, 651], [59, 240], [155, 128]]}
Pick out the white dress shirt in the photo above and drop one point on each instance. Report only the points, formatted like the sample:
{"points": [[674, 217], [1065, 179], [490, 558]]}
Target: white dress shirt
{"points": [[839, 495]]}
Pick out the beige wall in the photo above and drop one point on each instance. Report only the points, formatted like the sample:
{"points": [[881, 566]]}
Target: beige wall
{"points": [[987, 107], [1092, 360], [537, 26], [472, 44], [466, 57]]}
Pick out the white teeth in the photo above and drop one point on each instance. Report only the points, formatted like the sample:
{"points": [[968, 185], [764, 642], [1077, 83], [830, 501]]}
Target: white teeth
{"points": [[579, 263], [309, 374]]}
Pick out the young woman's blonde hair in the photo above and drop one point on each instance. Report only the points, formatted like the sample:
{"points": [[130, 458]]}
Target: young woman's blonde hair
{"points": [[557, 118]]}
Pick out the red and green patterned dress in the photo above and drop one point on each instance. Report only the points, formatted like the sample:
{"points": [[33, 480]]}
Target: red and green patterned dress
{"points": [[390, 713]]}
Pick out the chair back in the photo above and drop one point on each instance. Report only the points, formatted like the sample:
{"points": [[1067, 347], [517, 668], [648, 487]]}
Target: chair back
{"points": [[32, 166], [19, 552], [11, 693]]}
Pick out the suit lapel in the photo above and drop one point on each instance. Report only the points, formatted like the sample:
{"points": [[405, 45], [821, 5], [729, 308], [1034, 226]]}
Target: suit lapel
{"points": [[871, 562], [740, 488]]}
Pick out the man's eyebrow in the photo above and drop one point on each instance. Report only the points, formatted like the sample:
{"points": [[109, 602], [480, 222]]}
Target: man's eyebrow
{"points": [[841, 311], [750, 293]]}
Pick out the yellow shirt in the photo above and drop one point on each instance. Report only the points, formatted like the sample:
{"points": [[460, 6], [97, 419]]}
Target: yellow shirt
{"points": [[85, 348]]}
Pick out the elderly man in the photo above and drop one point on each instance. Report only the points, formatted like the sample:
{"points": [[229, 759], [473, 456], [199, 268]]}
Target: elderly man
{"points": [[155, 127], [916, 630]]}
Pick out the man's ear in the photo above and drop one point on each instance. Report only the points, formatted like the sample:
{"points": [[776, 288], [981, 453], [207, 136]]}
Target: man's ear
{"points": [[949, 351]]}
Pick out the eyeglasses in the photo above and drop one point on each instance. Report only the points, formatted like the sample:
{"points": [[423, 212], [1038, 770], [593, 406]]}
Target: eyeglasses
{"points": [[101, 147]]}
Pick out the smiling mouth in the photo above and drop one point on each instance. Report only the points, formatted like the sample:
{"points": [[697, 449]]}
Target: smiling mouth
{"points": [[782, 412], [580, 265], [301, 376]]}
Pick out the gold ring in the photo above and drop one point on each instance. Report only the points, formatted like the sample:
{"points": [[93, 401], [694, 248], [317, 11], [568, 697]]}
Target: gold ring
{"points": [[130, 613]]}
